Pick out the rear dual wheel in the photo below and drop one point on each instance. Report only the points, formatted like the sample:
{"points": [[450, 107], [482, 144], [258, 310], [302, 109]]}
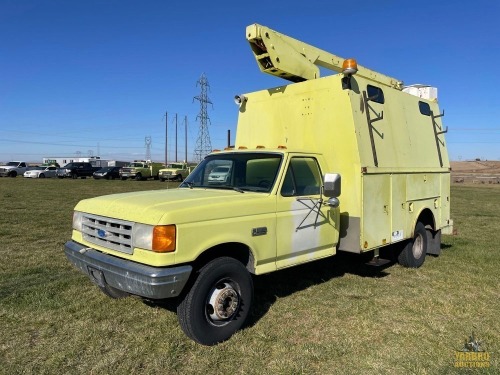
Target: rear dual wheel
{"points": [[415, 249], [218, 303]]}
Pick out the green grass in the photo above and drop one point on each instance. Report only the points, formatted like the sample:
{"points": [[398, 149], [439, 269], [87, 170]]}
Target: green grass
{"points": [[327, 317]]}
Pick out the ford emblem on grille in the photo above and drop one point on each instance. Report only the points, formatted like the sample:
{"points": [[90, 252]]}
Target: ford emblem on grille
{"points": [[102, 233]]}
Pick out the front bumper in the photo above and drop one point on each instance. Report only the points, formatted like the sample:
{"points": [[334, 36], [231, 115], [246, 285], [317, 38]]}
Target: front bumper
{"points": [[131, 277]]}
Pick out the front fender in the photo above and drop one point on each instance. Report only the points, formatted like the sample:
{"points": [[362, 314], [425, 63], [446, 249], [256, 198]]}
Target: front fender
{"points": [[196, 238]]}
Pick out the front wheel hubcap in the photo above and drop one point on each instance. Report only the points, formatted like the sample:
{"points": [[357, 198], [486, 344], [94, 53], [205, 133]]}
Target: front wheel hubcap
{"points": [[223, 303]]}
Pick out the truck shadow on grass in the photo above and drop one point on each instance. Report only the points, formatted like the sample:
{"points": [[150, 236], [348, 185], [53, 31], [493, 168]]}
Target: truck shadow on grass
{"points": [[270, 287]]}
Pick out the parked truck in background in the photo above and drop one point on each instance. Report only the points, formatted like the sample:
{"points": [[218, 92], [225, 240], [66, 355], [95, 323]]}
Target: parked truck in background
{"points": [[347, 162], [176, 171], [76, 170], [141, 170], [13, 168]]}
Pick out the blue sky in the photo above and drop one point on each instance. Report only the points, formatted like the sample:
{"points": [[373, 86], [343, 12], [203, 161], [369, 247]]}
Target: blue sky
{"points": [[98, 76]]}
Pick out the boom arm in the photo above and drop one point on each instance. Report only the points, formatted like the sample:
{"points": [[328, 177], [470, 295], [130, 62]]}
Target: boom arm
{"points": [[296, 61]]}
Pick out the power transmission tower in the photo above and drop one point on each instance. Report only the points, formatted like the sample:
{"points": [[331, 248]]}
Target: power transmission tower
{"points": [[147, 144], [203, 144]]}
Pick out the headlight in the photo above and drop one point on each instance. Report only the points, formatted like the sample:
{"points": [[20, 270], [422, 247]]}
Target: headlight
{"points": [[77, 220], [158, 238]]}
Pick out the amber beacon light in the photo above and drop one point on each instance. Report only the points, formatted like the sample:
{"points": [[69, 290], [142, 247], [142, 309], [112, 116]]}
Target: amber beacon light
{"points": [[349, 66]]}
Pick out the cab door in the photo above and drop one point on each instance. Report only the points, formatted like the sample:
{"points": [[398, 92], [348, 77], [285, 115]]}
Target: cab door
{"points": [[306, 229]]}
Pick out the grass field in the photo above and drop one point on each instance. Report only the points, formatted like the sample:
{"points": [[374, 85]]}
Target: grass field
{"points": [[334, 316]]}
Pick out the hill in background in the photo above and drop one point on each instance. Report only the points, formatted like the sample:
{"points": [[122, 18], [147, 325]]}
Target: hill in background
{"points": [[479, 172]]}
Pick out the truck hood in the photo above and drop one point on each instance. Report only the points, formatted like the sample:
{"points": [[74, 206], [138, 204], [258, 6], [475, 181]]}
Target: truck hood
{"points": [[178, 206]]}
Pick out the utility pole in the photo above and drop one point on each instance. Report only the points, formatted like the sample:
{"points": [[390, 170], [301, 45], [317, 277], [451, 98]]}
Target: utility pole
{"points": [[166, 138], [186, 138], [147, 144], [176, 137]]}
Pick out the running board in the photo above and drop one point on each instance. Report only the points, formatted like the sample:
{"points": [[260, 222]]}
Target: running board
{"points": [[377, 262]]}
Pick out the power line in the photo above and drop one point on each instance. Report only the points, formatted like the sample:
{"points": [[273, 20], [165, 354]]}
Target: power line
{"points": [[60, 144]]}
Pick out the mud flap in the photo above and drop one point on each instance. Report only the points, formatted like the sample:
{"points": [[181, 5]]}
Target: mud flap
{"points": [[433, 242]]}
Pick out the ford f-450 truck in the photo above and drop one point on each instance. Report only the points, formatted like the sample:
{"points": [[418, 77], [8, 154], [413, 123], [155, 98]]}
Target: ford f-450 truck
{"points": [[347, 162]]}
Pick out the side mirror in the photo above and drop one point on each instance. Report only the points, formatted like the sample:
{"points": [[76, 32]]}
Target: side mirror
{"points": [[331, 185]]}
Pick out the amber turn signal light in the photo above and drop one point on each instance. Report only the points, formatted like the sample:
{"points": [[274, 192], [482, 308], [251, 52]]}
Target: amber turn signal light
{"points": [[163, 238]]}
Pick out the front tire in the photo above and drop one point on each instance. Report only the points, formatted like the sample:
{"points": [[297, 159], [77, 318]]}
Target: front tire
{"points": [[413, 254], [219, 302], [138, 177], [113, 292]]}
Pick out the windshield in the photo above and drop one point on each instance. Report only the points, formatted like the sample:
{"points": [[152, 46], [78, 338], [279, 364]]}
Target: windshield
{"points": [[136, 165], [239, 171], [175, 166]]}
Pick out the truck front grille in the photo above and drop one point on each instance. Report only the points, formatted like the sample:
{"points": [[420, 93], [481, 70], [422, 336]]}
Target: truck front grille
{"points": [[106, 232]]}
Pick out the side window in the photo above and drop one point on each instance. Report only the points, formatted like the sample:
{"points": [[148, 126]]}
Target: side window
{"points": [[303, 177], [375, 94], [424, 108]]}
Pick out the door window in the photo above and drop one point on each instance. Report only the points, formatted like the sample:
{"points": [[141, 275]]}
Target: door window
{"points": [[302, 178]]}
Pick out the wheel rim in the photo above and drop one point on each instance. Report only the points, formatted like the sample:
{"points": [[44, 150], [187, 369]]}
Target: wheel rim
{"points": [[418, 247], [222, 304]]}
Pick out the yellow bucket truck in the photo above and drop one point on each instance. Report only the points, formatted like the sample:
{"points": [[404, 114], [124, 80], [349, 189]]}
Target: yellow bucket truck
{"points": [[353, 161]]}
